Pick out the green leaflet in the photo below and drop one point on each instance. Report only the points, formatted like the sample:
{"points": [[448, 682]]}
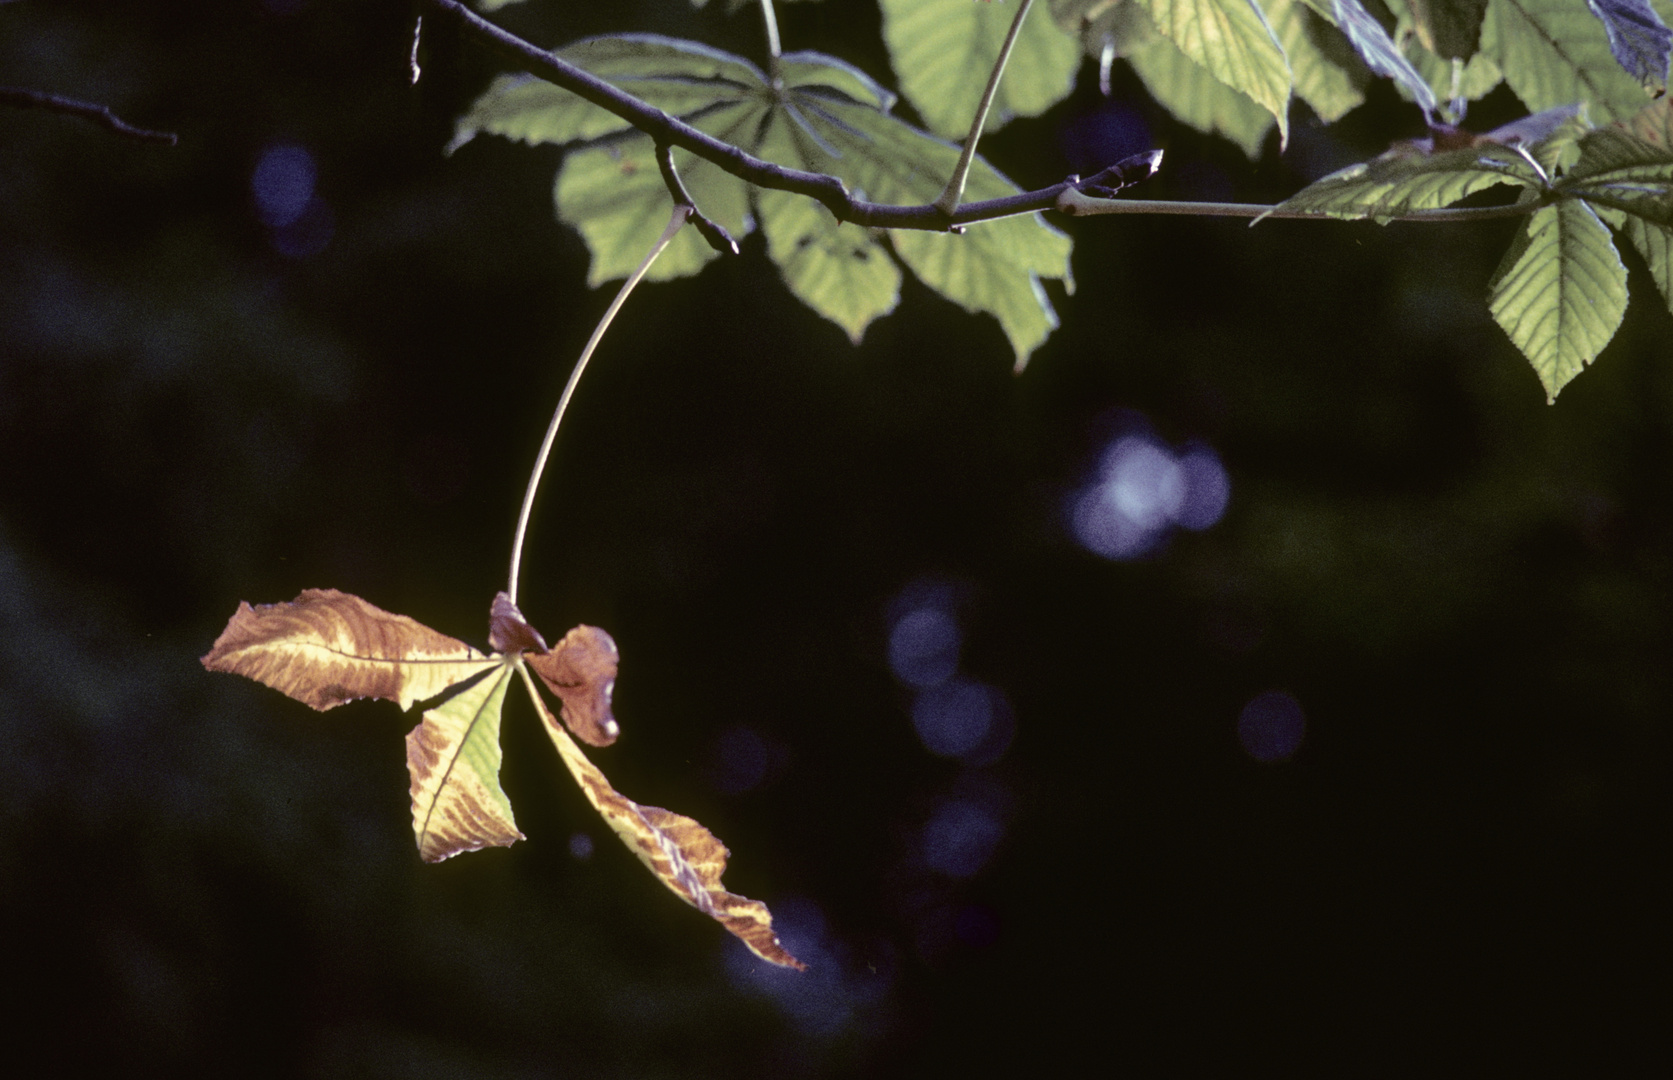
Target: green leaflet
{"points": [[1398, 183], [943, 51], [1328, 76], [1620, 170], [454, 759], [1655, 243], [1561, 291], [832, 119], [1473, 76], [1186, 89], [1448, 29], [1556, 52], [1231, 38]]}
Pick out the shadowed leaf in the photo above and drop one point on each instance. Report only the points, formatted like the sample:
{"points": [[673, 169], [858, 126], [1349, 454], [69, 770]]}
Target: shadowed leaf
{"points": [[1621, 170], [1378, 51], [682, 854], [327, 647], [509, 631], [1451, 29], [1639, 39], [453, 757], [581, 670]]}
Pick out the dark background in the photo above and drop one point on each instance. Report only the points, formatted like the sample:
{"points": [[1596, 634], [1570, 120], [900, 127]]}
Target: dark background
{"points": [[1465, 865]]}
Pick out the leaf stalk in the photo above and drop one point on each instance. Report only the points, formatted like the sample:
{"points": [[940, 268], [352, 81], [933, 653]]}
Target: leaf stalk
{"points": [[675, 223], [954, 191]]}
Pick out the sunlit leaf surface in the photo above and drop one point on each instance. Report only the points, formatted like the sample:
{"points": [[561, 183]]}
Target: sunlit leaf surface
{"points": [[1327, 77], [1232, 40], [1561, 291], [682, 854], [829, 118], [453, 758], [943, 51], [1186, 89], [1555, 52], [326, 647], [1403, 181]]}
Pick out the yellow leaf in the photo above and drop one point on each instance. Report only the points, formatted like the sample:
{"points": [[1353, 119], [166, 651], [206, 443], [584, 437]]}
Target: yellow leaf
{"points": [[327, 647], [453, 757], [682, 854]]}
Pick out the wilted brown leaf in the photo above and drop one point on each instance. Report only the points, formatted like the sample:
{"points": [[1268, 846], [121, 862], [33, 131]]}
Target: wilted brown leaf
{"points": [[683, 855], [327, 647], [581, 670], [509, 631]]}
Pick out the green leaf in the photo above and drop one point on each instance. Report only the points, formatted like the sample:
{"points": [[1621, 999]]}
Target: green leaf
{"points": [[1554, 52], [1655, 243], [1231, 38], [829, 118], [1378, 51], [1620, 170], [1469, 78], [1186, 89], [1639, 39], [994, 266], [453, 757], [1328, 76], [1406, 180], [943, 51], [1449, 29], [1561, 291]]}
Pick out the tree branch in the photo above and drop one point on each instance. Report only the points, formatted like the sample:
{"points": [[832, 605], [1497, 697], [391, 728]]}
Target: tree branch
{"points": [[100, 114], [718, 238], [1066, 197]]}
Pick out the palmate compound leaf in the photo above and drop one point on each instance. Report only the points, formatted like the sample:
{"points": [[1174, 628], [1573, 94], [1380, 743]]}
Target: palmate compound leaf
{"points": [[683, 855], [1561, 291], [1555, 52], [1653, 125], [610, 188], [1405, 180], [1620, 170], [326, 647], [1232, 39], [943, 51]]}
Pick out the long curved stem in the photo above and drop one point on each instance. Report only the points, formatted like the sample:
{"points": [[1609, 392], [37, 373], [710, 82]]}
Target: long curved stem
{"points": [[770, 17], [949, 200], [675, 223]]}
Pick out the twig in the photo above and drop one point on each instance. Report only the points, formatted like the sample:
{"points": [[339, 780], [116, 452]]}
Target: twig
{"points": [[412, 60], [770, 17], [675, 223], [954, 191], [99, 114], [718, 238], [831, 192]]}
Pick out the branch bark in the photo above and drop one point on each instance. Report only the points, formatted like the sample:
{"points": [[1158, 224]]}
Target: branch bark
{"points": [[25, 98], [1066, 197]]}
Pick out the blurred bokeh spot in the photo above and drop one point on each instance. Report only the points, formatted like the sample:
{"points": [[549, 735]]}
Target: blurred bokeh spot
{"points": [[1141, 490], [960, 838], [1270, 726]]}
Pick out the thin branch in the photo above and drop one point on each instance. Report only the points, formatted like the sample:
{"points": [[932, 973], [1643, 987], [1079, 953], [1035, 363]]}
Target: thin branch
{"points": [[412, 60], [718, 238], [830, 192], [954, 191], [100, 114], [675, 223]]}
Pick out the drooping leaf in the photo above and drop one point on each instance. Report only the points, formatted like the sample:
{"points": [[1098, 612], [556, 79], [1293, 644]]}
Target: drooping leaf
{"points": [[1404, 180], [1553, 52], [1186, 89], [1655, 244], [1328, 76], [1621, 170], [1233, 41], [1380, 54], [828, 117], [1561, 291], [453, 757], [943, 51], [1638, 38], [684, 856], [1451, 29], [327, 647], [581, 670]]}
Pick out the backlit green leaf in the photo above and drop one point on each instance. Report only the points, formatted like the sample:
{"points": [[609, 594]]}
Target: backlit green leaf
{"points": [[1327, 75], [1402, 181], [1450, 29], [1186, 89], [1555, 52], [1620, 170], [1231, 38], [1561, 291], [829, 118], [453, 757], [1655, 243], [943, 51]]}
